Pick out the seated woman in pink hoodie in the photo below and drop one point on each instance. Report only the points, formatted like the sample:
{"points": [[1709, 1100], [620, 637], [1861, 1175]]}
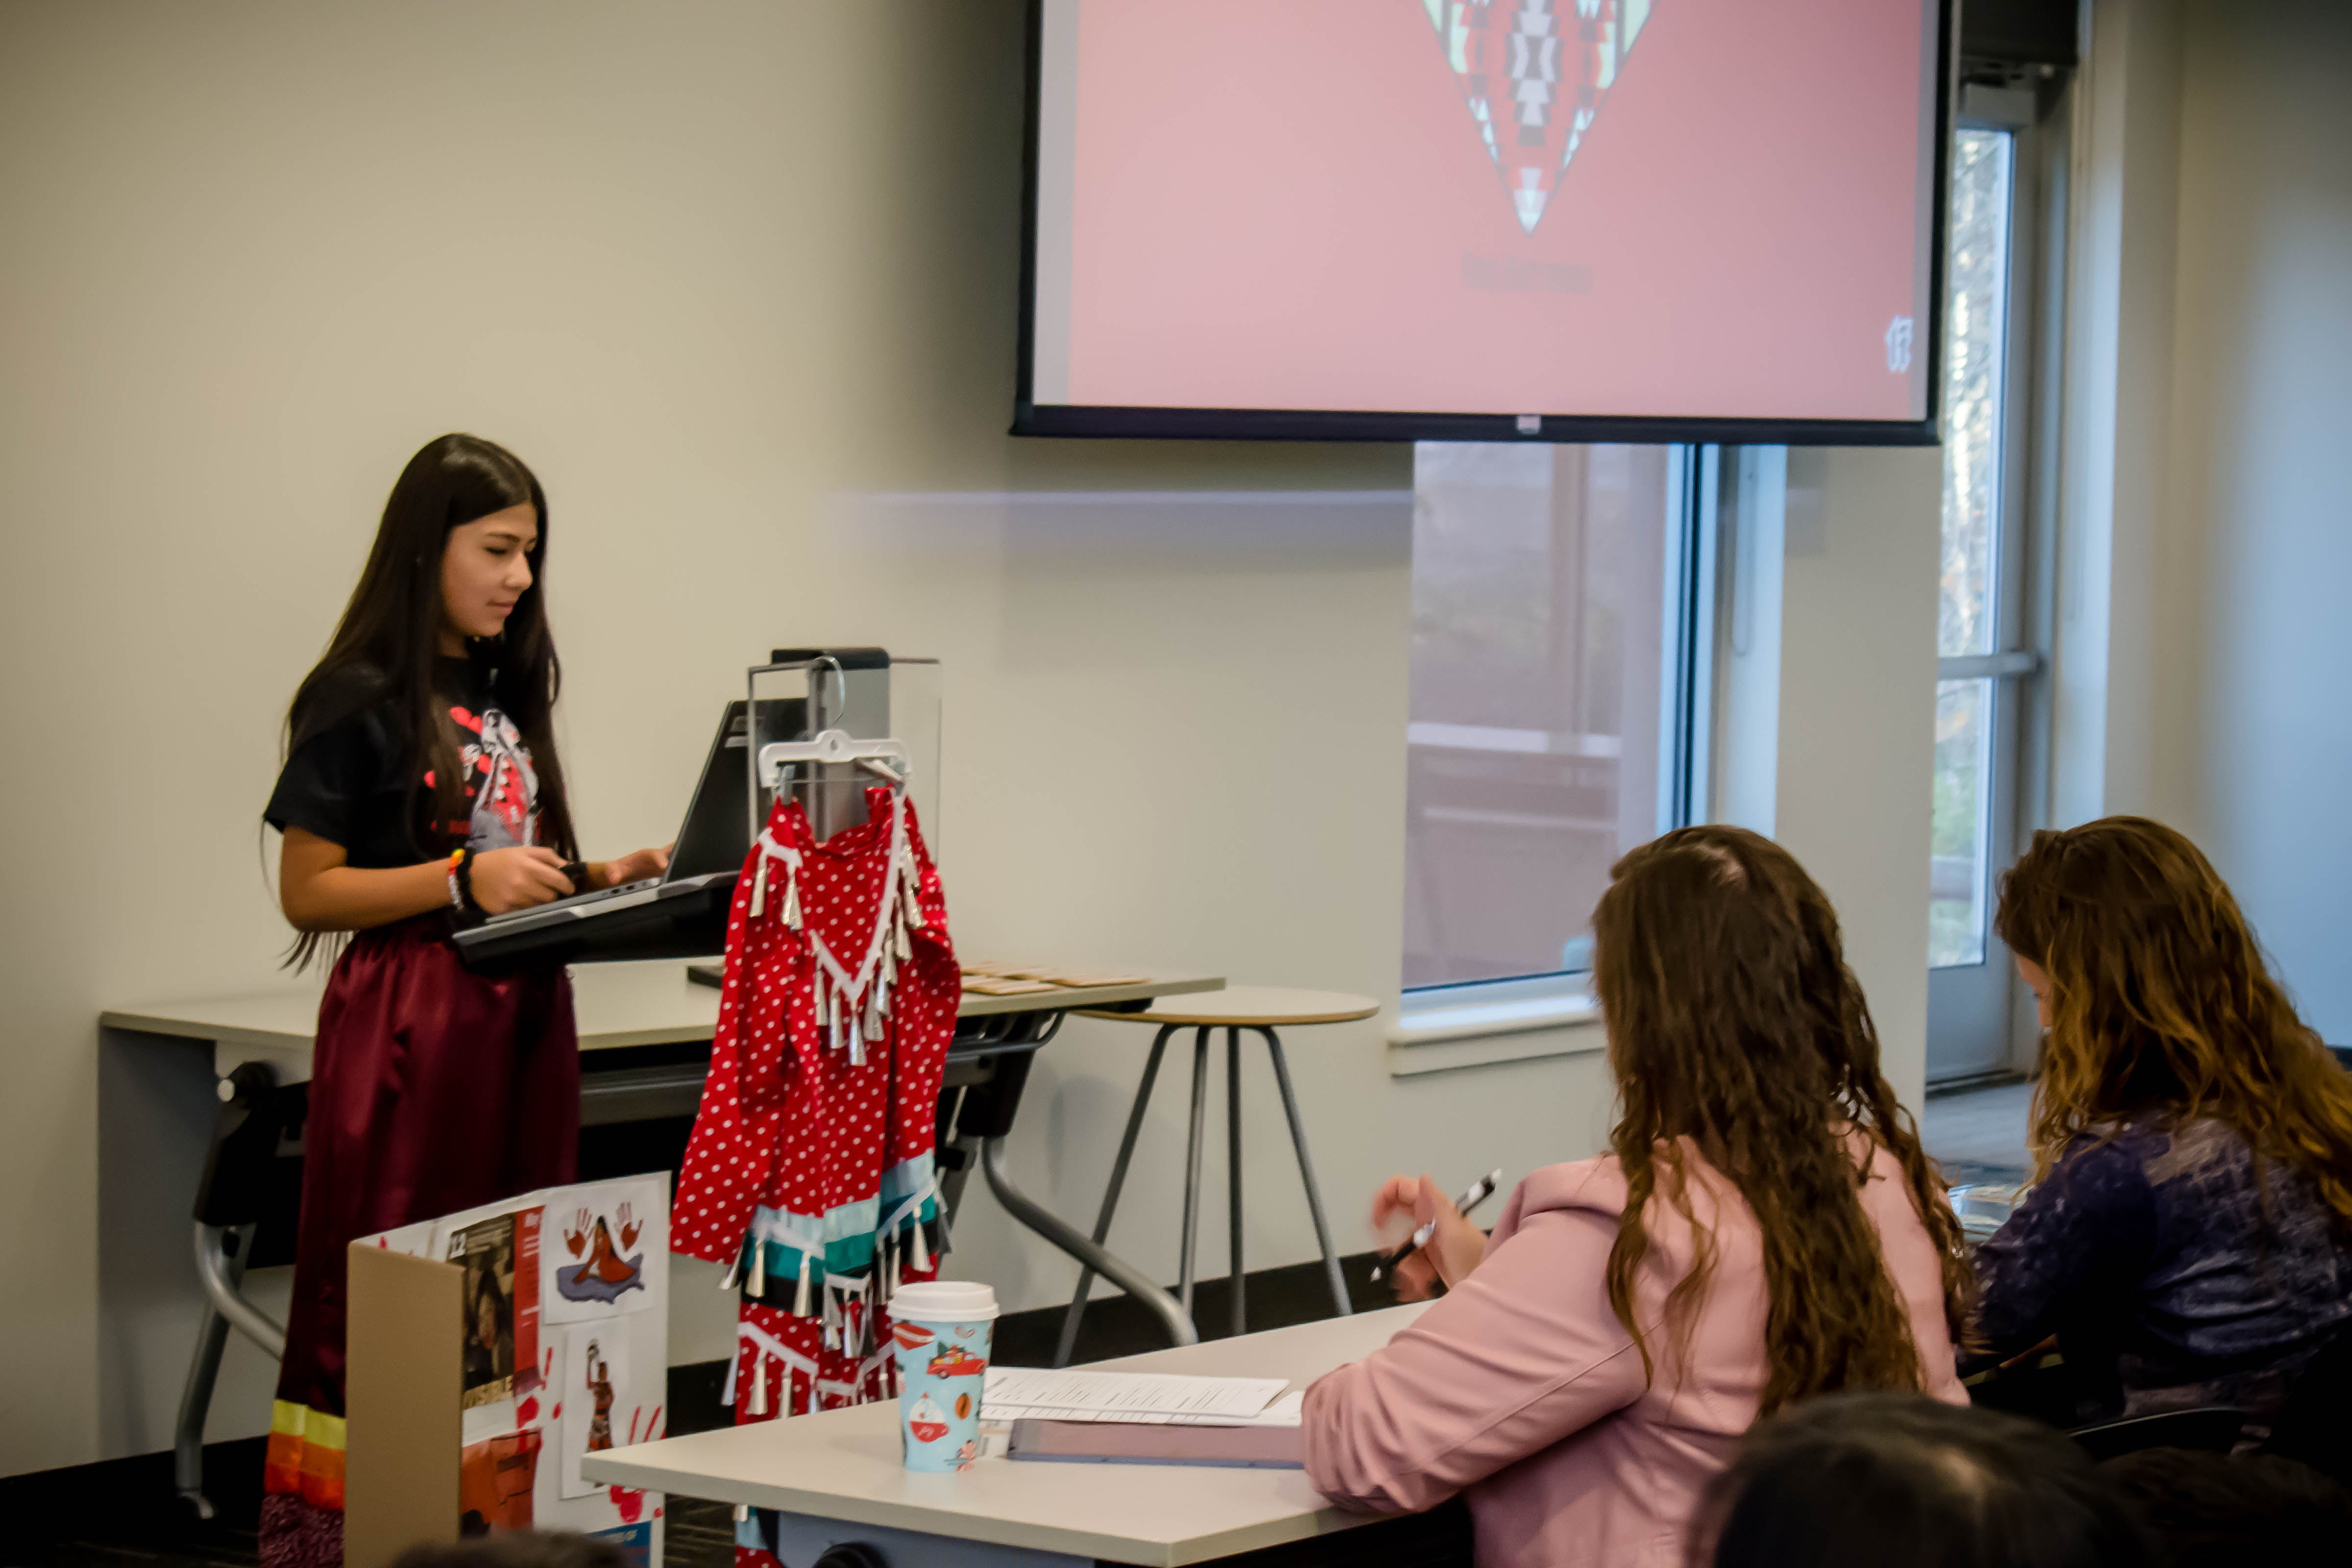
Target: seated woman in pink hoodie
{"points": [[1765, 1229]]}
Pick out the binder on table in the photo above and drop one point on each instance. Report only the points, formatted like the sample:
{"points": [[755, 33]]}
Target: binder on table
{"points": [[1127, 1443]]}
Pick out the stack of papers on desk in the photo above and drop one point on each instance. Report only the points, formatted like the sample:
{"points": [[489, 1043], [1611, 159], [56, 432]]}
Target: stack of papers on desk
{"points": [[1139, 1399]]}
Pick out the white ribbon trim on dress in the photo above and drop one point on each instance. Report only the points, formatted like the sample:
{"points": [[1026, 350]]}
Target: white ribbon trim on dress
{"points": [[769, 1345], [847, 985]]}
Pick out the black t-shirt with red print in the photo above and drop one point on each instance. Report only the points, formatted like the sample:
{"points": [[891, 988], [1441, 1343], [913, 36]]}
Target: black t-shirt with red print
{"points": [[351, 783]]}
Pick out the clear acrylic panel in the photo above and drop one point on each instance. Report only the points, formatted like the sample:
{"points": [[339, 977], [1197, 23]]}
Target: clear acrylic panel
{"points": [[1957, 877], [1532, 739], [902, 703]]}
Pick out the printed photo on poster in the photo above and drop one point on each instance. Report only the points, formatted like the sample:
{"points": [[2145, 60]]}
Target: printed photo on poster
{"points": [[494, 1483], [597, 1401], [602, 1237], [500, 1302]]}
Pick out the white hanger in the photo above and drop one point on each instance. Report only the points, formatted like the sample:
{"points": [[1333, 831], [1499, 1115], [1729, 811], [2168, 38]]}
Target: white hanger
{"points": [[885, 758]]}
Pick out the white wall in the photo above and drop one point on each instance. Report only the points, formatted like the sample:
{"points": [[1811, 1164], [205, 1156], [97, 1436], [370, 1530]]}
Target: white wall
{"points": [[1857, 717], [739, 282], [724, 276], [2262, 412], [2203, 647]]}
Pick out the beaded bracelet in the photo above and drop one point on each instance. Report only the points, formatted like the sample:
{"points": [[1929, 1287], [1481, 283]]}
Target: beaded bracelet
{"points": [[461, 880]]}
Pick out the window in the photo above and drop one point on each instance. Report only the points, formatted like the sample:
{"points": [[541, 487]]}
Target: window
{"points": [[1967, 621], [2007, 190], [1549, 646]]}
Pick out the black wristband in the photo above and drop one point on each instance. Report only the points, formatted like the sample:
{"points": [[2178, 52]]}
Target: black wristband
{"points": [[465, 874]]}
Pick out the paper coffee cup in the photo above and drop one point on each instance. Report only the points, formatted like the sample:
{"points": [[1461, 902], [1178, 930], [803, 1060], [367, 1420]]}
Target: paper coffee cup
{"points": [[940, 1330]]}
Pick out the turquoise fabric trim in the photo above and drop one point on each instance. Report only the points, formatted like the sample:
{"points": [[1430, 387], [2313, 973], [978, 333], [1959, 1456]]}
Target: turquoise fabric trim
{"points": [[757, 1533], [842, 1241], [903, 1180]]}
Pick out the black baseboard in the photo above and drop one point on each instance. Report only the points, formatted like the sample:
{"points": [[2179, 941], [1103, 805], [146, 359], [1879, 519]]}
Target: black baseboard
{"points": [[131, 1505]]}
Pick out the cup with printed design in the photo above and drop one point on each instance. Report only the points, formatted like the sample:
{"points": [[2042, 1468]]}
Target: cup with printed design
{"points": [[940, 1330]]}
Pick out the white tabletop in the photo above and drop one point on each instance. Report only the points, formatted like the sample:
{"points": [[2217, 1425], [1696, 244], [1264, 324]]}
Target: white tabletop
{"points": [[646, 1003], [845, 1464]]}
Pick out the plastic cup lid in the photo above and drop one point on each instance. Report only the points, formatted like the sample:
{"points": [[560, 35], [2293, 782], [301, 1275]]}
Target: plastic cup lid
{"points": [[944, 1301]]}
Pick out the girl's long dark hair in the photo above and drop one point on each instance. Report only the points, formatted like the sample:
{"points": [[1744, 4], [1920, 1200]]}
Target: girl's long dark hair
{"points": [[1738, 1033], [383, 650]]}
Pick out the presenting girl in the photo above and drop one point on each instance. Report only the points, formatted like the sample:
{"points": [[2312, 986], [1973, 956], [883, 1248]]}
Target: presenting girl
{"points": [[421, 787]]}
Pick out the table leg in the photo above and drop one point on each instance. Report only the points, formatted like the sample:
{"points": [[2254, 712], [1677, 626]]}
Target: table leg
{"points": [[1069, 1340], [1306, 1174], [1234, 1170], [196, 1393], [1192, 1167], [1066, 1237]]}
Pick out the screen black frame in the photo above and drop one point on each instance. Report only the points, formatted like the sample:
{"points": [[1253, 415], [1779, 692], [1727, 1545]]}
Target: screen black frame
{"points": [[1149, 423]]}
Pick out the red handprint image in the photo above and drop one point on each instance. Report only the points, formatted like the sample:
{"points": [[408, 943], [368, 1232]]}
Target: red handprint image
{"points": [[608, 1271]]}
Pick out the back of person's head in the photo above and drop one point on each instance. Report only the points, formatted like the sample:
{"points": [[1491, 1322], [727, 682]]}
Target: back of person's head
{"points": [[2223, 1510], [516, 1549], [2161, 1004], [1863, 1480], [1737, 1029]]}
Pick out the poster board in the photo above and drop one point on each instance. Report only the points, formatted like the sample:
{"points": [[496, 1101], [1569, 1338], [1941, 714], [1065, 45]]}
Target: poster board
{"points": [[490, 1351]]}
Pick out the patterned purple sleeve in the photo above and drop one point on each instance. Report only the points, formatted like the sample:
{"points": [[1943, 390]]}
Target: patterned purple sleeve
{"points": [[2080, 1243]]}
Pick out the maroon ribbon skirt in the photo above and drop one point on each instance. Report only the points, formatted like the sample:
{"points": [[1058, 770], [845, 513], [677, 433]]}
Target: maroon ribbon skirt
{"points": [[432, 1089]]}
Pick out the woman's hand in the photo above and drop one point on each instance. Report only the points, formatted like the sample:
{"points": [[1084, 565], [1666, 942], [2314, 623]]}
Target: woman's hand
{"points": [[1455, 1249], [629, 868], [520, 878]]}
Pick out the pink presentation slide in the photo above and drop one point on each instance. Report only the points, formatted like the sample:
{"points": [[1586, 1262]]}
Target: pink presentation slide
{"points": [[1695, 208]]}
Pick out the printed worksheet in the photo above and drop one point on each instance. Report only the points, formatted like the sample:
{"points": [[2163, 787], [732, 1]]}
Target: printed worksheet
{"points": [[1043, 1392]]}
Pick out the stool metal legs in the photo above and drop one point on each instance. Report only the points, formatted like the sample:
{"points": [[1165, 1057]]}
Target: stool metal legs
{"points": [[1110, 1194], [1234, 1170], [1192, 1167], [1193, 1152], [1306, 1174]]}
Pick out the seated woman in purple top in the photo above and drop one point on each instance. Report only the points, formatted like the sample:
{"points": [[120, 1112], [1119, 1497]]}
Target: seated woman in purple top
{"points": [[2189, 1239]]}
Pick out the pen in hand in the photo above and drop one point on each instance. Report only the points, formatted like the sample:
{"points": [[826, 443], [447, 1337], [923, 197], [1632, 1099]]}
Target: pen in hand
{"points": [[1477, 1192]]}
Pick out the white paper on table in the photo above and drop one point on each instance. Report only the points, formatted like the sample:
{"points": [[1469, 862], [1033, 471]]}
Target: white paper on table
{"points": [[1290, 1410], [1014, 1392]]}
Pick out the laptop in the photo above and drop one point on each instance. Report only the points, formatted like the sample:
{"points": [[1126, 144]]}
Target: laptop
{"points": [[652, 918]]}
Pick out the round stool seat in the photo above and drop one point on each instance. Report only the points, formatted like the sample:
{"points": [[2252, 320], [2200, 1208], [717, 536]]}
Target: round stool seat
{"points": [[1250, 1007]]}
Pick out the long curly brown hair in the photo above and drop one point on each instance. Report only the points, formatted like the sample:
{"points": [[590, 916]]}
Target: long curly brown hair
{"points": [[2162, 1009], [1737, 1031]]}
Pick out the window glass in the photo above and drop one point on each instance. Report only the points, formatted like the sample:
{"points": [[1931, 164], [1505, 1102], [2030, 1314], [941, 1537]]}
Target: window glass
{"points": [[1975, 345], [1538, 638]]}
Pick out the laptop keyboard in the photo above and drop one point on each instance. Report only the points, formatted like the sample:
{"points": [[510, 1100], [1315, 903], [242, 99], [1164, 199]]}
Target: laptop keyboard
{"points": [[577, 899]]}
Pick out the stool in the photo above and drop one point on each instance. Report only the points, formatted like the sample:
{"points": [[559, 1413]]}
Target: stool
{"points": [[1262, 1010]]}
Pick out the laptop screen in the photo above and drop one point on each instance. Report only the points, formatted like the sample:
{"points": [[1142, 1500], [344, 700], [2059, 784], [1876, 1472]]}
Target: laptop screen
{"points": [[716, 835]]}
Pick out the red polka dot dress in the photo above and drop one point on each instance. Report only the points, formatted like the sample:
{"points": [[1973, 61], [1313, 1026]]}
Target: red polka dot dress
{"points": [[811, 1166]]}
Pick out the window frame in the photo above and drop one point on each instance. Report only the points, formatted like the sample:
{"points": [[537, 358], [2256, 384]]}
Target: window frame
{"points": [[1457, 1010], [2022, 573]]}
